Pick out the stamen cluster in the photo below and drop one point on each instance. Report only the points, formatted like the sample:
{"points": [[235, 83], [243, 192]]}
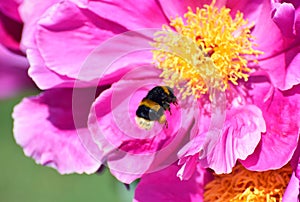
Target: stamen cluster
{"points": [[207, 49]]}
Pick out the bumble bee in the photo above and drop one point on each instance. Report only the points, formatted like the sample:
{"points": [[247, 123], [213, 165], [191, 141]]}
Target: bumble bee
{"points": [[152, 107]]}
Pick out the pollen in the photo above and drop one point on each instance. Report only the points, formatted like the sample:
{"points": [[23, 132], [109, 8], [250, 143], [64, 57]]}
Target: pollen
{"points": [[204, 49], [243, 185]]}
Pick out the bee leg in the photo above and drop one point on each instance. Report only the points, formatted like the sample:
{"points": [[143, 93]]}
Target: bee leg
{"points": [[167, 107], [166, 124], [176, 103]]}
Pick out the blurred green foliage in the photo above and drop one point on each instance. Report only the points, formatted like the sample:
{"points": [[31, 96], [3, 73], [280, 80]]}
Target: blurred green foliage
{"points": [[22, 180]]}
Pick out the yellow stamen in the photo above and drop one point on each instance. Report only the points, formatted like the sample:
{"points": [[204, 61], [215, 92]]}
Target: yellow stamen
{"points": [[248, 186], [207, 48]]}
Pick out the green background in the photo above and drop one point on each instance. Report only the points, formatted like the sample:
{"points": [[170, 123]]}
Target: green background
{"points": [[22, 180]]}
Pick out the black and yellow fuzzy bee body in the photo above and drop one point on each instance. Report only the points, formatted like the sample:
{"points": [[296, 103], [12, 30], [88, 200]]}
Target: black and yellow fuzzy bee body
{"points": [[152, 107]]}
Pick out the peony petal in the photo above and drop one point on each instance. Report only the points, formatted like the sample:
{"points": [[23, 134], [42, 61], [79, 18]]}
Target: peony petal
{"points": [[13, 73], [279, 50], [110, 60], [284, 16], [79, 29], [189, 165], [94, 59], [281, 113], [31, 11], [264, 22], [10, 9], [42, 76], [189, 153], [283, 69], [132, 15], [291, 193], [45, 128], [241, 134], [10, 26], [251, 9], [297, 22], [295, 161], [163, 186], [293, 72], [295, 3], [298, 170], [175, 8]]}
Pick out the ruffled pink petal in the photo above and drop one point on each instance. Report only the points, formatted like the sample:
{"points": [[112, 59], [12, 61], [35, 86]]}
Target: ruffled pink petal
{"points": [[189, 153], [91, 74], [189, 164], [293, 72], [291, 193], [31, 11], [93, 59], [283, 69], [264, 22], [44, 127], [129, 150], [13, 73], [132, 15], [284, 18], [79, 29], [42, 76], [279, 49], [110, 61], [281, 113], [241, 134], [163, 186], [295, 3]]}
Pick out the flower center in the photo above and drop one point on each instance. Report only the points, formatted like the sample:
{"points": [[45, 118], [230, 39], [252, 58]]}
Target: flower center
{"points": [[208, 49], [244, 185]]}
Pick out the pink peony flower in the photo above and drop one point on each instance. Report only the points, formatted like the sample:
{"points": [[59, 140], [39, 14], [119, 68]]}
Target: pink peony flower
{"points": [[76, 44]]}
